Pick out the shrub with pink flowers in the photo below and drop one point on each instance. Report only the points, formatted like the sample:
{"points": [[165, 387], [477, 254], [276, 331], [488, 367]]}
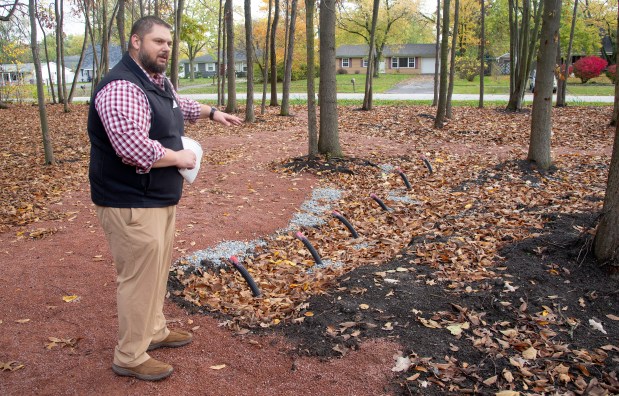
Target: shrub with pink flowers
{"points": [[611, 73], [589, 67]]}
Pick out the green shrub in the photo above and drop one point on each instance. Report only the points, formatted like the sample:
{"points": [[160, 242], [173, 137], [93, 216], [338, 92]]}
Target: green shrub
{"points": [[467, 68]]}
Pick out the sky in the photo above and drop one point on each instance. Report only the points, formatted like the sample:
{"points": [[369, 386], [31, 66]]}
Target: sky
{"points": [[75, 26]]}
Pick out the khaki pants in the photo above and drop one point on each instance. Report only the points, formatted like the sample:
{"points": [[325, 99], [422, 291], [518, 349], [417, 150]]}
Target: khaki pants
{"points": [[140, 241]]}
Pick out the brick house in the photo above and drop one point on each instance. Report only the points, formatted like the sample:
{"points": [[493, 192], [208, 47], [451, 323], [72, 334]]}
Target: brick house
{"points": [[397, 58]]}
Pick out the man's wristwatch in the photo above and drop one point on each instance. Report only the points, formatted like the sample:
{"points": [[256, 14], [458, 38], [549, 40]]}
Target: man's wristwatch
{"points": [[212, 113]]}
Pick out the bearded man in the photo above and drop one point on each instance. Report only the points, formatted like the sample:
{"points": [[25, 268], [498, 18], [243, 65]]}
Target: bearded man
{"points": [[135, 124]]}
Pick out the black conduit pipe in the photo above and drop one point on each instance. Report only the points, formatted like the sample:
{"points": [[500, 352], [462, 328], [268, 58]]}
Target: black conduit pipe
{"points": [[309, 246], [428, 164], [380, 202], [250, 281], [341, 218], [403, 176]]}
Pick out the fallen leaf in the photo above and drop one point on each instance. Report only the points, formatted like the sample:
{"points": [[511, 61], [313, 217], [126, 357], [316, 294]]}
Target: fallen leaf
{"points": [[218, 367], [364, 306], [70, 298], [507, 393], [11, 366], [597, 326], [612, 317], [529, 353], [23, 320], [402, 363], [491, 380]]}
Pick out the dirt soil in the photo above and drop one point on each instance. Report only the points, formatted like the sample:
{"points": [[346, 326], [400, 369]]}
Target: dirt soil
{"points": [[402, 317]]}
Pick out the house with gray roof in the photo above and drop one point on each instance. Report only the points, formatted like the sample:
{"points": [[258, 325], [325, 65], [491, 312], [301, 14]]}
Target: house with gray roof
{"points": [[88, 68], [396, 58], [206, 65]]}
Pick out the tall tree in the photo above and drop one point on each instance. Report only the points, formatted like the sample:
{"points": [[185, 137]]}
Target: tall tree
{"points": [[442, 96], [179, 6], [329, 138], [523, 38], [312, 131], [437, 48], [120, 24], [249, 50], [356, 19], [220, 46], [194, 36], [274, 101], [452, 61], [82, 53], [265, 60], [615, 116], [285, 109], [60, 75], [44, 21], [34, 46], [482, 53], [541, 114], [606, 242], [231, 72], [564, 75], [369, 73]]}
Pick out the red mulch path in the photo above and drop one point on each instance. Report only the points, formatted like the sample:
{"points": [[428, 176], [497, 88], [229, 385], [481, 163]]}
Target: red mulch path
{"points": [[37, 273]]}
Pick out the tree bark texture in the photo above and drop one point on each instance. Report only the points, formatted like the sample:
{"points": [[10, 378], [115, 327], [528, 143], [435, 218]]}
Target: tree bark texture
{"points": [[482, 53], [328, 140], [452, 60], [369, 73], [442, 95], [437, 48], [606, 242], [285, 109], [176, 41], [274, 101], [34, 46], [249, 49], [265, 69], [229, 16], [312, 130], [541, 114]]}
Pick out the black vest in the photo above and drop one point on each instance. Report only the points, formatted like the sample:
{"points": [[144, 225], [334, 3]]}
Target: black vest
{"points": [[115, 184]]}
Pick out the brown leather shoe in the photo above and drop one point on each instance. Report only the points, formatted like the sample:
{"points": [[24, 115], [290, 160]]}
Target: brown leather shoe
{"points": [[175, 339], [150, 370]]}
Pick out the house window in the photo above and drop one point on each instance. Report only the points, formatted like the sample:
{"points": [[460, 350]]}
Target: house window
{"points": [[195, 67], [210, 67], [345, 62], [364, 63], [399, 63]]}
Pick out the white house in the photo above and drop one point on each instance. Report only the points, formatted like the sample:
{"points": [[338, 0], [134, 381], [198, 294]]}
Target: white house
{"points": [[13, 73]]}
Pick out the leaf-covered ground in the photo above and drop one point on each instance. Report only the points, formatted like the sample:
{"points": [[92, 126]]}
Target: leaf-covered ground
{"points": [[481, 271]]}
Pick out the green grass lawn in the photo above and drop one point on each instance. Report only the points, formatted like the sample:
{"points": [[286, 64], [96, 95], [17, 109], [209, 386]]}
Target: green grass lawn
{"points": [[600, 86]]}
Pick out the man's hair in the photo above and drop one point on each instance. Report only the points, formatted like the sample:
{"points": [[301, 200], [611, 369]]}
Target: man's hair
{"points": [[144, 25]]}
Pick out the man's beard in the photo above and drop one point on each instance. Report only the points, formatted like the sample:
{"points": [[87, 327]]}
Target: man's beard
{"points": [[150, 64]]}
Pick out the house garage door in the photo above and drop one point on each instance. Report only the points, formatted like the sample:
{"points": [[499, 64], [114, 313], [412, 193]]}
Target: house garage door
{"points": [[427, 65]]}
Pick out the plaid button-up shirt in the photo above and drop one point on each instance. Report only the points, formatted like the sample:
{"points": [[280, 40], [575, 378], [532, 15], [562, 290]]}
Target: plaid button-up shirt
{"points": [[125, 113]]}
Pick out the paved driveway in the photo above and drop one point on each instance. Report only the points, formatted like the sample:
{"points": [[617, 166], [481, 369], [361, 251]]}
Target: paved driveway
{"points": [[416, 85]]}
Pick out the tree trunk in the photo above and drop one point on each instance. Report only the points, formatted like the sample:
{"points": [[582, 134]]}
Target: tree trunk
{"points": [[437, 47], [613, 121], [541, 114], [274, 101], [265, 57], [34, 46], [285, 109], [606, 242], [219, 60], [49, 70], [249, 49], [442, 96], [568, 61], [120, 23], [81, 59], [229, 16], [312, 131], [369, 73], [176, 40], [452, 62], [328, 140], [482, 54], [59, 34]]}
